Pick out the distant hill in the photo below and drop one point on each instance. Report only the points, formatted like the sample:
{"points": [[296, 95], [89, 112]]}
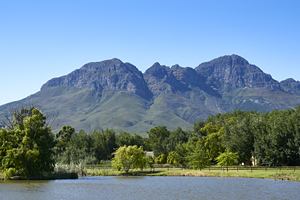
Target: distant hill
{"points": [[113, 94]]}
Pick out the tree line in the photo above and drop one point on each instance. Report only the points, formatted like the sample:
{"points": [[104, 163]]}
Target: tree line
{"points": [[268, 139], [27, 145]]}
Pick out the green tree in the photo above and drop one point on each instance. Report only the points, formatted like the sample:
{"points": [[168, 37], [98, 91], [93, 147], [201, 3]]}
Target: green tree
{"points": [[158, 140], [239, 135], [227, 159], [26, 147], [150, 161], [197, 129], [130, 157], [277, 138], [124, 138], [80, 149], [181, 154], [172, 158], [176, 137], [161, 159], [104, 143], [198, 159], [212, 144], [63, 137]]}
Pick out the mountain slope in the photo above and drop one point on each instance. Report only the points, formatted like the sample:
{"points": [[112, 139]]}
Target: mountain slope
{"points": [[113, 94]]}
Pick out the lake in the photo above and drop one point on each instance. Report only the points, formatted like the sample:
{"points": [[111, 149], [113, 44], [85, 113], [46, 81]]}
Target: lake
{"points": [[151, 188]]}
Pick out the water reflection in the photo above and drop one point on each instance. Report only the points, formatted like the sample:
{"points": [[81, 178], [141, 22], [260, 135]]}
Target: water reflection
{"points": [[151, 188]]}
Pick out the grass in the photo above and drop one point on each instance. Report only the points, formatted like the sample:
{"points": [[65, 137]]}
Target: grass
{"points": [[289, 174]]}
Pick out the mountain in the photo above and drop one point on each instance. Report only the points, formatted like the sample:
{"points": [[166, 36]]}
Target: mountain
{"points": [[113, 94]]}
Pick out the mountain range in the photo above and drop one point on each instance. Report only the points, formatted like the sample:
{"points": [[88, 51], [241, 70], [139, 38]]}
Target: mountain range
{"points": [[113, 94]]}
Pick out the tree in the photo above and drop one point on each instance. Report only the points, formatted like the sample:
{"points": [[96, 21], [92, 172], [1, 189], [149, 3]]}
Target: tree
{"points": [[277, 138], [63, 137], [124, 138], [150, 161], [181, 154], [212, 144], [26, 148], [239, 135], [161, 159], [158, 140], [176, 137], [197, 129], [130, 157], [199, 159], [80, 149], [172, 157], [227, 159], [104, 143]]}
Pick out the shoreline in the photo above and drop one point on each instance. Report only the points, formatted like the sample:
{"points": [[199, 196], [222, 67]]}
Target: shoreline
{"points": [[52, 176], [260, 174], [272, 174]]}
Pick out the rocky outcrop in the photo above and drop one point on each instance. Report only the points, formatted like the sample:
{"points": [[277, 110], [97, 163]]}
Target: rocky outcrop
{"points": [[163, 79], [291, 86], [236, 72], [109, 74], [158, 78]]}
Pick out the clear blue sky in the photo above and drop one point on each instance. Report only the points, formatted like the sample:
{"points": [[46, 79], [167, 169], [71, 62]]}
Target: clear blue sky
{"points": [[40, 40]]}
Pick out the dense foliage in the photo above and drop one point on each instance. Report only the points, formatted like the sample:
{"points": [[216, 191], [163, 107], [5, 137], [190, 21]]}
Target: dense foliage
{"points": [[26, 145], [130, 157], [269, 139]]}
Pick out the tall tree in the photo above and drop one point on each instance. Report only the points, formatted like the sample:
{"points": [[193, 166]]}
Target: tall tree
{"points": [[80, 149], [124, 138], [104, 143], [26, 148], [63, 137], [239, 135], [198, 159], [158, 140]]}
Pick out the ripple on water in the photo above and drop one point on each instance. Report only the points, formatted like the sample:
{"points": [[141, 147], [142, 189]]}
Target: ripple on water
{"points": [[151, 188]]}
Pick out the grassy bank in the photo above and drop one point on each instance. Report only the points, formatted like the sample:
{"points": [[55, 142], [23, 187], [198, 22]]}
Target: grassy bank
{"points": [[276, 173], [288, 174]]}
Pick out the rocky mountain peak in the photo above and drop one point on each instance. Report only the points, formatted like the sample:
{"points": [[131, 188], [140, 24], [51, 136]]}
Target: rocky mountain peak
{"points": [[157, 71], [291, 86], [186, 75], [237, 60], [108, 74], [236, 72]]}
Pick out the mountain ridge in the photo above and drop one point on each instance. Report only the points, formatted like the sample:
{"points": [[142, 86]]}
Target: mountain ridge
{"points": [[113, 94]]}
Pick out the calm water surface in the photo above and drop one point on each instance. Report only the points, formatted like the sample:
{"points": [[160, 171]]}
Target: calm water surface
{"points": [[151, 188]]}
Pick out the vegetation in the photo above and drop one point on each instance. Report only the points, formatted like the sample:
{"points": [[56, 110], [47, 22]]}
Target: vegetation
{"points": [[26, 145], [28, 148], [130, 157], [227, 159], [277, 173]]}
